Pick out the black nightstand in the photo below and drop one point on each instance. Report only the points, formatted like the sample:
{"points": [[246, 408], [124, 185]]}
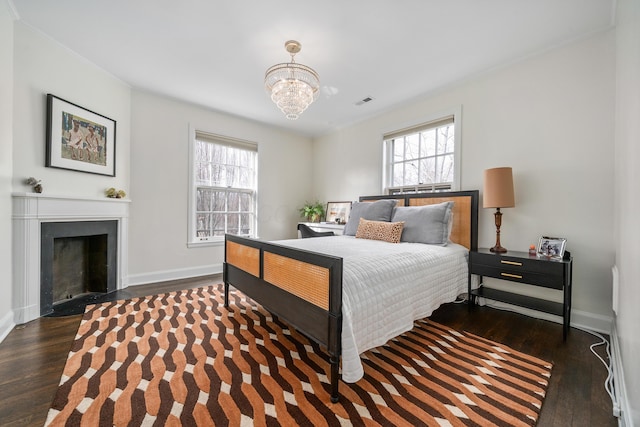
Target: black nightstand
{"points": [[524, 268]]}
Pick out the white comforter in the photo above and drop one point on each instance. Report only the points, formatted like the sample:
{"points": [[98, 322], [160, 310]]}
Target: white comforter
{"points": [[386, 286]]}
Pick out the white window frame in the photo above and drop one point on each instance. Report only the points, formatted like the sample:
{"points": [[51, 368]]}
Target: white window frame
{"points": [[387, 157], [192, 239]]}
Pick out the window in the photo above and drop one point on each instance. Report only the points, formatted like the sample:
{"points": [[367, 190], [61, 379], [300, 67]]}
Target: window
{"points": [[224, 187], [423, 158]]}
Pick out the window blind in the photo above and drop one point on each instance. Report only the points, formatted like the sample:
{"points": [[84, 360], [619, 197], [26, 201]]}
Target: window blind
{"points": [[419, 128], [225, 140]]}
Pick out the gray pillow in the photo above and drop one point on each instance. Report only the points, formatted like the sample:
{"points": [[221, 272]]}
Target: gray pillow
{"points": [[379, 210], [425, 224]]}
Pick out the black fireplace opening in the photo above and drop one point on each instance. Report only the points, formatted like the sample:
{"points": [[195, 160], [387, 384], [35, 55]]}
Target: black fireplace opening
{"points": [[78, 264]]}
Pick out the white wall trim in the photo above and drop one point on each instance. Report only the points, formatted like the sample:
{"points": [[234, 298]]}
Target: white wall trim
{"points": [[579, 319], [591, 321], [176, 274], [13, 12], [30, 210], [6, 325], [619, 387]]}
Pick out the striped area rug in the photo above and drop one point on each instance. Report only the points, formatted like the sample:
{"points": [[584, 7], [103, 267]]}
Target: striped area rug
{"points": [[183, 359]]}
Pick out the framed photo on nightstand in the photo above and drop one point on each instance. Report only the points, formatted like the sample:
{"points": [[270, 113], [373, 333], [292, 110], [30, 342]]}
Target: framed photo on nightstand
{"points": [[551, 247]]}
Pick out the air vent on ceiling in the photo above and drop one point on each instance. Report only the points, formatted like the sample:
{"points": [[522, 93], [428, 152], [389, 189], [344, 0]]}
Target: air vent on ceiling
{"points": [[364, 101]]}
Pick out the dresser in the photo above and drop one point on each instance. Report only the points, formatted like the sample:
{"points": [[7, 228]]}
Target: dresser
{"points": [[520, 267]]}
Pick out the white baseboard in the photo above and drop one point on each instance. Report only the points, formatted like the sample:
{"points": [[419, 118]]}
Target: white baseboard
{"points": [[163, 276], [591, 321], [26, 314], [6, 325], [620, 390], [579, 319]]}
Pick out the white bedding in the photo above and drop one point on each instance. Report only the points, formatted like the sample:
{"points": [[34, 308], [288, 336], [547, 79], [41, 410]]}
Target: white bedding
{"points": [[386, 286]]}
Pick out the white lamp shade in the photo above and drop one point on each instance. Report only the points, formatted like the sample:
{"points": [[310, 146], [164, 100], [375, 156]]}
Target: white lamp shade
{"points": [[498, 188]]}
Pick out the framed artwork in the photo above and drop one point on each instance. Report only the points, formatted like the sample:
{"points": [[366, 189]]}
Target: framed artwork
{"points": [[338, 212], [79, 139], [551, 247]]}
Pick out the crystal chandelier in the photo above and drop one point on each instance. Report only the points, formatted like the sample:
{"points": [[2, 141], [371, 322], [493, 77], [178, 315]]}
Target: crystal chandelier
{"points": [[293, 87]]}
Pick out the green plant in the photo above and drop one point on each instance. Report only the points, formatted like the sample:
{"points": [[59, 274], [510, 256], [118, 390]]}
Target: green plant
{"points": [[313, 212]]}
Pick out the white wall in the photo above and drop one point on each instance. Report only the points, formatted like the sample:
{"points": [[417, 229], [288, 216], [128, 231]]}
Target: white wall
{"points": [[43, 66], [627, 236], [6, 154], [159, 185], [154, 172], [551, 118]]}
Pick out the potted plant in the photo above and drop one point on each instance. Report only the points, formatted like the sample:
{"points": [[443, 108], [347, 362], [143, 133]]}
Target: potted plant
{"points": [[313, 212]]}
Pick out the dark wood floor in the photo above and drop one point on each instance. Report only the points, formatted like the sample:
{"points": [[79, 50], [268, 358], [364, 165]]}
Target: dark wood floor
{"points": [[576, 395], [33, 356]]}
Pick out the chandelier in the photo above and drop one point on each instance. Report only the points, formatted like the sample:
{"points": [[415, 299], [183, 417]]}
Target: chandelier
{"points": [[292, 86]]}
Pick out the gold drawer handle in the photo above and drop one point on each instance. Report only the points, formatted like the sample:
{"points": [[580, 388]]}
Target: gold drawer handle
{"points": [[515, 276], [511, 263]]}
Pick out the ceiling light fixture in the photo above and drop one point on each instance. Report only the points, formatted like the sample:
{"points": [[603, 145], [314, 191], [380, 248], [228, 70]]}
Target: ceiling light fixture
{"points": [[292, 86]]}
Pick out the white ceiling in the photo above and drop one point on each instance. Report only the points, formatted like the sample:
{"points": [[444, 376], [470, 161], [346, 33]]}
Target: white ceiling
{"points": [[214, 53]]}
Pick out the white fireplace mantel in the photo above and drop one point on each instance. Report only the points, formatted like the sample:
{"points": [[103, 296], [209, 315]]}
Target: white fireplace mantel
{"points": [[32, 209]]}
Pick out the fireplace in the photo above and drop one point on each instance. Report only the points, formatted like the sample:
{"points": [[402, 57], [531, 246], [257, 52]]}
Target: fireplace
{"points": [[33, 214], [77, 263]]}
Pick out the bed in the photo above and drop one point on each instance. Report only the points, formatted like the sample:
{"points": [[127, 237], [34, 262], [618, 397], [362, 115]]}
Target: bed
{"points": [[351, 294]]}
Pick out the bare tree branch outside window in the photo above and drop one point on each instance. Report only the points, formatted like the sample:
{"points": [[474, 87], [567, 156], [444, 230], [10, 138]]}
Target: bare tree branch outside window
{"points": [[423, 160], [225, 190]]}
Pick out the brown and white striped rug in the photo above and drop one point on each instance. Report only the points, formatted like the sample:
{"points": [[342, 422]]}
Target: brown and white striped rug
{"points": [[183, 359]]}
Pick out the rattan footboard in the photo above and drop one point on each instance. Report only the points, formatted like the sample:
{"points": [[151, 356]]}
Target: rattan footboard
{"points": [[303, 288]]}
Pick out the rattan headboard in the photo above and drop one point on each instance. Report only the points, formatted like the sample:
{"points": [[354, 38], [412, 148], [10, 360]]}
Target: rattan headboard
{"points": [[465, 211]]}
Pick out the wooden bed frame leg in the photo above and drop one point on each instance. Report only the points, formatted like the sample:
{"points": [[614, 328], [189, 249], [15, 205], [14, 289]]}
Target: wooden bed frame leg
{"points": [[335, 367], [226, 295]]}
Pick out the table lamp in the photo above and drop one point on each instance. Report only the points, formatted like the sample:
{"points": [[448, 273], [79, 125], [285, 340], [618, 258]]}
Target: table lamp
{"points": [[498, 193]]}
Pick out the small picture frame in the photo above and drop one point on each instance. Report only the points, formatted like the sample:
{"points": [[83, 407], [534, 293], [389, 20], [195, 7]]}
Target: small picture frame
{"points": [[551, 247], [338, 212], [79, 139]]}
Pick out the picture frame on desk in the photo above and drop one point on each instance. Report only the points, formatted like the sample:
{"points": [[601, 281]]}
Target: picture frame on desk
{"points": [[551, 247], [338, 212]]}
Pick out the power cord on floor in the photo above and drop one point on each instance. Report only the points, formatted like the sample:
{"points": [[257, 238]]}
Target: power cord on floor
{"points": [[608, 383]]}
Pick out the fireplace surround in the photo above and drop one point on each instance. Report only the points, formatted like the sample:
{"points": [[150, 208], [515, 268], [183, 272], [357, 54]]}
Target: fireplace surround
{"points": [[30, 211], [77, 261]]}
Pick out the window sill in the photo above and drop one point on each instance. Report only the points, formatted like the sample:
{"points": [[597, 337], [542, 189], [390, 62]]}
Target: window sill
{"points": [[205, 243]]}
